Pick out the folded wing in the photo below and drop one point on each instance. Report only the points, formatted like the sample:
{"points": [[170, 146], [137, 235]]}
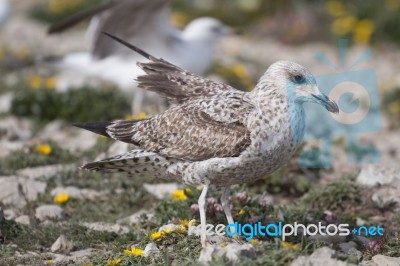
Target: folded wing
{"points": [[194, 131]]}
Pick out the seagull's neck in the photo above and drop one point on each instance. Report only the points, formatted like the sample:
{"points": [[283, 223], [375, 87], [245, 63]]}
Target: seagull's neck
{"points": [[283, 118]]}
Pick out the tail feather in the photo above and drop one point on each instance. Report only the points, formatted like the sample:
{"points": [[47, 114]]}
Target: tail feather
{"points": [[135, 163], [96, 127]]}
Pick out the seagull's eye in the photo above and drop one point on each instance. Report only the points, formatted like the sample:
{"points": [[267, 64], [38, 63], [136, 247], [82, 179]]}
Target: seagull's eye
{"points": [[216, 29], [299, 79]]}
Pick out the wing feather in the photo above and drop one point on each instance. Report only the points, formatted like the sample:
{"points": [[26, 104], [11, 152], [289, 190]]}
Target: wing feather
{"points": [[132, 20], [176, 84], [194, 131]]}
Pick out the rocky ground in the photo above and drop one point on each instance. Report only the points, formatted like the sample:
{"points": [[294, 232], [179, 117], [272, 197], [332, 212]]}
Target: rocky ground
{"points": [[53, 213]]}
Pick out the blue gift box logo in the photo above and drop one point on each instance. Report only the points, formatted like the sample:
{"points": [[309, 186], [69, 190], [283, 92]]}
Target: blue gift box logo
{"points": [[356, 93]]}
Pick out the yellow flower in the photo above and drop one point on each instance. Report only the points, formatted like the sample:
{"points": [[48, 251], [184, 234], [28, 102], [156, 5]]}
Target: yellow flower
{"points": [[179, 195], [241, 212], [157, 235], [363, 31], [113, 262], [185, 223], [35, 82], [49, 262], [139, 116], [134, 251], [61, 198], [188, 191], [335, 8], [241, 72], [255, 242], [342, 26], [179, 19], [291, 246], [44, 149], [50, 83], [181, 229], [167, 231]]}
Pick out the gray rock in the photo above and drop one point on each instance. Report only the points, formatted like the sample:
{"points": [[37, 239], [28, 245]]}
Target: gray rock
{"points": [[44, 171], [15, 191], [322, 256], [46, 212], [382, 260], [361, 222], [5, 102], [335, 239], [232, 251], [91, 194], [367, 263], [68, 137], [356, 253], [71, 191], [8, 147], [387, 197], [151, 249], [10, 214], [375, 175], [75, 256], [364, 240], [345, 247], [15, 129], [162, 190], [75, 192], [62, 245], [105, 227], [24, 219], [135, 218]]}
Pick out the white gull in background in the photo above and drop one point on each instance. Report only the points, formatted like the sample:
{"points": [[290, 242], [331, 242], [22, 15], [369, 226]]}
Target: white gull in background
{"points": [[145, 24], [5, 10], [215, 134]]}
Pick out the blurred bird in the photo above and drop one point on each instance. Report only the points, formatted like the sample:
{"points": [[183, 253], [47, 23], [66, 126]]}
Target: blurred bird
{"points": [[5, 10], [215, 134], [146, 24]]}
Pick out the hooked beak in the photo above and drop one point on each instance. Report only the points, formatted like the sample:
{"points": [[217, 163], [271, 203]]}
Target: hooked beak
{"points": [[330, 105]]}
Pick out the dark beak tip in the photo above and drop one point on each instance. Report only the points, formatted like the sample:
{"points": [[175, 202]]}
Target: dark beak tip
{"points": [[333, 107]]}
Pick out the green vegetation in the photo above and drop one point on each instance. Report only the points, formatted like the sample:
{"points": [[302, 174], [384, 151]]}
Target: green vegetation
{"points": [[336, 195], [83, 104], [32, 156]]}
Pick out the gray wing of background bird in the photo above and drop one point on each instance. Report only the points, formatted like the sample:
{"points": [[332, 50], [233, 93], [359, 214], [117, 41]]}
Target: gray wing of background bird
{"points": [[137, 21], [141, 22]]}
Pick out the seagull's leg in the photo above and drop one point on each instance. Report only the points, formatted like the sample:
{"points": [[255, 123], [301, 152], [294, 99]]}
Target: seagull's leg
{"points": [[202, 209], [225, 205]]}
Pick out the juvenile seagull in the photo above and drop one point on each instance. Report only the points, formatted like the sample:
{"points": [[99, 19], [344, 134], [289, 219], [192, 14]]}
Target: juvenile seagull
{"points": [[215, 135], [146, 24]]}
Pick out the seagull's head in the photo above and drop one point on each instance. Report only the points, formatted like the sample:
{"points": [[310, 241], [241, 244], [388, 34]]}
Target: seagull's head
{"points": [[299, 84], [205, 29]]}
